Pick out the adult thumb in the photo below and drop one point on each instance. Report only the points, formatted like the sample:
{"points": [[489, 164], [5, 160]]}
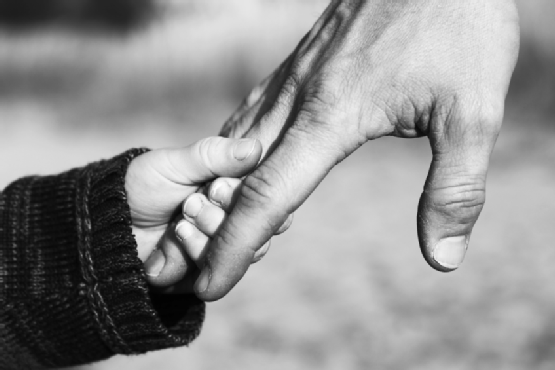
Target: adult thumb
{"points": [[454, 193]]}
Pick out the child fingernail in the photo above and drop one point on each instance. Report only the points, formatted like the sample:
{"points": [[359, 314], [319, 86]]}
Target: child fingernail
{"points": [[450, 252], [193, 205], [183, 230], [243, 148], [220, 192], [261, 252], [155, 263]]}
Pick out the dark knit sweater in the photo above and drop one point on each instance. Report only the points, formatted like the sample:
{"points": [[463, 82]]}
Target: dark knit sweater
{"points": [[72, 289]]}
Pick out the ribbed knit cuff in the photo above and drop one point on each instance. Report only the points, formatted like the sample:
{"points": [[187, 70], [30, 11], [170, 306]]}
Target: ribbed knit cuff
{"points": [[72, 288], [117, 289]]}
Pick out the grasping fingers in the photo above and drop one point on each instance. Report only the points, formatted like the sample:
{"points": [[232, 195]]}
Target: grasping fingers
{"points": [[202, 219], [224, 191]]}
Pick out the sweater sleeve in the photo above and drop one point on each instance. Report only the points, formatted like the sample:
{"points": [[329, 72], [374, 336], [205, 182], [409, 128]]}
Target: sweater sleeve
{"points": [[72, 288]]}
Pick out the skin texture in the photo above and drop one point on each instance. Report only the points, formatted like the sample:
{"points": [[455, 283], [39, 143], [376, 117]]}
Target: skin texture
{"points": [[367, 69], [156, 184]]}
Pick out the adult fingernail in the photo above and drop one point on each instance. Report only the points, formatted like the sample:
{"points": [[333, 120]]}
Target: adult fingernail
{"points": [[450, 252], [220, 192], [204, 280], [193, 206], [243, 148], [155, 263], [183, 230]]}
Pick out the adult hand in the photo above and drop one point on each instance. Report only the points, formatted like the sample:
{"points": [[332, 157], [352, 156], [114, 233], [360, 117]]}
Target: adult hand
{"points": [[370, 68]]}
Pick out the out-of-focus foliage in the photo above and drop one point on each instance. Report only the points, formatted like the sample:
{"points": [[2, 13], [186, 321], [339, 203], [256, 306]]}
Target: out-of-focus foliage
{"points": [[115, 14], [532, 90], [345, 287], [533, 85]]}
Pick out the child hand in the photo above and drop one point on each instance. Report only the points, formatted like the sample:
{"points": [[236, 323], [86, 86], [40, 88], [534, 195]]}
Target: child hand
{"points": [[157, 182], [201, 217]]}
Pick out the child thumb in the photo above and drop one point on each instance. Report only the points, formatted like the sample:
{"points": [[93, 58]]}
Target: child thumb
{"points": [[158, 181], [210, 158]]}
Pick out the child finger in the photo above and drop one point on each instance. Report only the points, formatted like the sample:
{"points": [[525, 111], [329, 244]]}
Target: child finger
{"points": [[168, 264], [192, 239], [222, 192], [285, 226], [206, 216], [210, 158], [184, 286], [261, 252]]}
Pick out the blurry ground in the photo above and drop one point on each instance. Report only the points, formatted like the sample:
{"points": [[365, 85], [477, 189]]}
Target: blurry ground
{"points": [[346, 287]]}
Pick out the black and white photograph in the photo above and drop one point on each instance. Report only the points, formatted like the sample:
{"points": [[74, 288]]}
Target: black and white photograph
{"points": [[277, 184]]}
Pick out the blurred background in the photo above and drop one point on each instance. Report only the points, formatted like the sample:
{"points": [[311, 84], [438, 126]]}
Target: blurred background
{"points": [[346, 287]]}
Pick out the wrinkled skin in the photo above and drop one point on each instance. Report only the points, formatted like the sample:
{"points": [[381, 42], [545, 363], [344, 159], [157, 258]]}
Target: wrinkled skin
{"points": [[367, 69]]}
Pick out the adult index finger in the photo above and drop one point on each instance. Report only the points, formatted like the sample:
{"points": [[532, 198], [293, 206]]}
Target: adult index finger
{"points": [[267, 196]]}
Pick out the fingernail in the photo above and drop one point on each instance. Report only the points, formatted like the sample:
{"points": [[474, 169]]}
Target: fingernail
{"points": [[155, 263], [204, 280], [243, 148], [193, 206], [450, 252], [219, 192], [183, 230], [261, 252]]}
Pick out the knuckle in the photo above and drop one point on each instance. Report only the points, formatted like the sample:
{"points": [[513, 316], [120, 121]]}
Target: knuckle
{"points": [[320, 96], [319, 102], [291, 83], [260, 186], [287, 92], [261, 190], [323, 119], [461, 202]]}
